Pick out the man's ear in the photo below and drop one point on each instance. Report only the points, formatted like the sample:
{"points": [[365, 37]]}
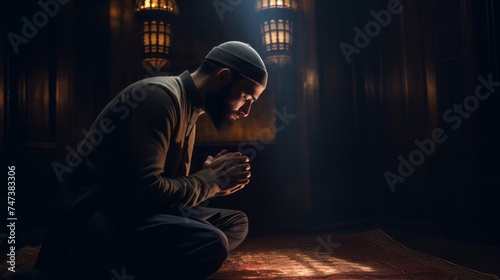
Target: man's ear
{"points": [[223, 76]]}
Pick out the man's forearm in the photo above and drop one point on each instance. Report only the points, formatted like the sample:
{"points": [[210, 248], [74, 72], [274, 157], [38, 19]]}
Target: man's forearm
{"points": [[187, 191]]}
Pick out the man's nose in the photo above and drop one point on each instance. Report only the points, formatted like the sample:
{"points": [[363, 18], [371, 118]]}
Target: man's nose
{"points": [[245, 109]]}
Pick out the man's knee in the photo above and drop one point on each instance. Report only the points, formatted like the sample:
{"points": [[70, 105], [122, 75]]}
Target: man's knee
{"points": [[238, 229], [241, 218], [217, 242], [207, 256], [238, 221]]}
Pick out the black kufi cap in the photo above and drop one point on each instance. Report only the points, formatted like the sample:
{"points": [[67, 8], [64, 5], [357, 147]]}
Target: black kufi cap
{"points": [[242, 58]]}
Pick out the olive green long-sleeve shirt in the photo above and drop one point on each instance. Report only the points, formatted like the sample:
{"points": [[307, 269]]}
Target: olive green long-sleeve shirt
{"points": [[142, 144]]}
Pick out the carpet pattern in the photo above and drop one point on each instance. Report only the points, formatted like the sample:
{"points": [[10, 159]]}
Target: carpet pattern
{"points": [[25, 258], [367, 255]]}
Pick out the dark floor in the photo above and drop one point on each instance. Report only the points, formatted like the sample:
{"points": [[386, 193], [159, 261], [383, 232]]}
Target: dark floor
{"points": [[479, 257]]}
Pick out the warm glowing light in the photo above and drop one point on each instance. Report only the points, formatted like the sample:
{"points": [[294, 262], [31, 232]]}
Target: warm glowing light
{"points": [[156, 30], [166, 5], [301, 264], [114, 16], [310, 81], [277, 39], [272, 4], [277, 17]]}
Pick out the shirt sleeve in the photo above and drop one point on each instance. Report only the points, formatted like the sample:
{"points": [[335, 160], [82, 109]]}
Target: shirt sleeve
{"points": [[148, 134]]}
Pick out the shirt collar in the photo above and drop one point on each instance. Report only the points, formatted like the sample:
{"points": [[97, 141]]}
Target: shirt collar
{"points": [[192, 92]]}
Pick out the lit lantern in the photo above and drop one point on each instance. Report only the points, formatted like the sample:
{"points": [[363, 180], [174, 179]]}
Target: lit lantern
{"points": [[276, 25], [156, 18]]}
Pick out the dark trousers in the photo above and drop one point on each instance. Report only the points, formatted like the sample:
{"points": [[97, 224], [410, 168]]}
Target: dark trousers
{"points": [[183, 244]]}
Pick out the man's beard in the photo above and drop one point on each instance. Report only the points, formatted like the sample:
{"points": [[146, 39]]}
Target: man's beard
{"points": [[217, 107]]}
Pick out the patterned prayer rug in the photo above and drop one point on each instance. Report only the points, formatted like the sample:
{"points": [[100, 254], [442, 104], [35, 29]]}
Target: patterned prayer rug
{"points": [[368, 255]]}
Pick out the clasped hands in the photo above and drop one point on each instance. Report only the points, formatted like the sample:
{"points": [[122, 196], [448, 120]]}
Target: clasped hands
{"points": [[232, 171]]}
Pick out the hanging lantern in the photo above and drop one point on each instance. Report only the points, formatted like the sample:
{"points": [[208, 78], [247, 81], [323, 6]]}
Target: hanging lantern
{"points": [[155, 18], [276, 26]]}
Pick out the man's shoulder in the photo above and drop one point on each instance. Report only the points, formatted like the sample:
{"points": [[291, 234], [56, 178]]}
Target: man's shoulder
{"points": [[168, 81], [158, 87]]}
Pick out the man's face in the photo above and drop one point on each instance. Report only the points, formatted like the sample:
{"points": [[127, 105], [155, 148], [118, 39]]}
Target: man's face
{"points": [[232, 101]]}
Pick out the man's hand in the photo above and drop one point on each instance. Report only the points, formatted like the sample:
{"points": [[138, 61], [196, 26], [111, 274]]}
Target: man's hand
{"points": [[232, 171]]}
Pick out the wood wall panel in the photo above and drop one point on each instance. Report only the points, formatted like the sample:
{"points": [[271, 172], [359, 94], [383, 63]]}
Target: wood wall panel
{"points": [[30, 126], [413, 46], [427, 63], [3, 74], [338, 188], [125, 62], [64, 81], [35, 92]]}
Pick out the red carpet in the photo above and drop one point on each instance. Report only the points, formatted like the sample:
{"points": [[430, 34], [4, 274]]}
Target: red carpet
{"points": [[368, 255]]}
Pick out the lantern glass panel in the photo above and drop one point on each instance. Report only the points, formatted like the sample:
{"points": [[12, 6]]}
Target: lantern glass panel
{"points": [[165, 5], [276, 4], [156, 32]]}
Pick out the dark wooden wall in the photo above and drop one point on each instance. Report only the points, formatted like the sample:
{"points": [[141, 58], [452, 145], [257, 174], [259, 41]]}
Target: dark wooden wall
{"points": [[53, 84], [353, 120], [396, 91]]}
